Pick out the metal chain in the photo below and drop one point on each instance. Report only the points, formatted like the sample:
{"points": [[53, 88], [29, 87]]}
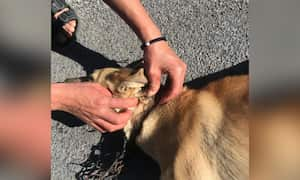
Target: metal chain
{"points": [[94, 168]]}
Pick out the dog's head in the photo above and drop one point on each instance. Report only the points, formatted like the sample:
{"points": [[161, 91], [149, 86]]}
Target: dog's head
{"points": [[122, 82]]}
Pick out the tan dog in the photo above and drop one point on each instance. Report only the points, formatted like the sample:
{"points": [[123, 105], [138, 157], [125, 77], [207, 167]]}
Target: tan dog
{"points": [[202, 134]]}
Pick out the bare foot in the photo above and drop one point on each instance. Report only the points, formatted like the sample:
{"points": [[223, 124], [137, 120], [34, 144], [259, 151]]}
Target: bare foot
{"points": [[68, 27]]}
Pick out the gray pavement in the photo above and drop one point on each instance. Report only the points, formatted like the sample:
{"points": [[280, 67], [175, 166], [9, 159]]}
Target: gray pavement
{"points": [[209, 35]]}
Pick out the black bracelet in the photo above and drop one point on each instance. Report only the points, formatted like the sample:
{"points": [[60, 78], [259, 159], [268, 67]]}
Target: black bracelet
{"points": [[148, 43]]}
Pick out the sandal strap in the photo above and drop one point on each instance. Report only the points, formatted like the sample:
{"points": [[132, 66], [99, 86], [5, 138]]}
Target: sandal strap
{"points": [[59, 35], [58, 5], [67, 16]]}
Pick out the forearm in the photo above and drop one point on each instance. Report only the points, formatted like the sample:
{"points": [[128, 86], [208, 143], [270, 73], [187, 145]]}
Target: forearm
{"points": [[135, 15]]}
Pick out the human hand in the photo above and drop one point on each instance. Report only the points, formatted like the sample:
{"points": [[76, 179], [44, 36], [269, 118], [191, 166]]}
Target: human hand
{"points": [[93, 104], [159, 59]]}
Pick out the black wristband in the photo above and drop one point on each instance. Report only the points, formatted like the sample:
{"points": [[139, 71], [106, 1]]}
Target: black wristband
{"points": [[148, 43]]}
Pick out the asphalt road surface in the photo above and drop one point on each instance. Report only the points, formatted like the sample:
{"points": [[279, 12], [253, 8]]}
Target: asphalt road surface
{"points": [[209, 35]]}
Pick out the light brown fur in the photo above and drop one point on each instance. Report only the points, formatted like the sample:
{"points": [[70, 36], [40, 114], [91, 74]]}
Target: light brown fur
{"points": [[202, 134]]}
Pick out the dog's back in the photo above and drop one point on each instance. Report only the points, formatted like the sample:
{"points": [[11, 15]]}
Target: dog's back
{"points": [[202, 134]]}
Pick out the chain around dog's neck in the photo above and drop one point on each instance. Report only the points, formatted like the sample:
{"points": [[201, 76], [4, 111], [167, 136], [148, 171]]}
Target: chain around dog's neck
{"points": [[94, 170]]}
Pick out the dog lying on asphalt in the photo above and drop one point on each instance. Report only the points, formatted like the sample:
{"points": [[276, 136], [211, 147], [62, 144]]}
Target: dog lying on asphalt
{"points": [[201, 134]]}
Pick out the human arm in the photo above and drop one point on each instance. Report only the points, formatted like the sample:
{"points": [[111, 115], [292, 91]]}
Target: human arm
{"points": [[93, 104], [159, 57]]}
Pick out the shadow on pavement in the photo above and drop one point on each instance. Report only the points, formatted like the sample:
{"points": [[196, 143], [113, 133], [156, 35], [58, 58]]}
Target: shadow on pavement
{"points": [[66, 118], [239, 69], [87, 58], [111, 159], [138, 165]]}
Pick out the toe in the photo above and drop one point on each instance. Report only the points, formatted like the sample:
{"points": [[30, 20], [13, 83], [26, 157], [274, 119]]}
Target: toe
{"points": [[70, 33], [69, 28], [72, 23]]}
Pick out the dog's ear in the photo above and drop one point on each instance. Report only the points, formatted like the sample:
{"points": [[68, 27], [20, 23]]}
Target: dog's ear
{"points": [[136, 80], [100, 75]]}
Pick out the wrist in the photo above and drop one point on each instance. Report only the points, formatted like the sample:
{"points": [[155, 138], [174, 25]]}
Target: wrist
{"points": [[153, 41], [149, 33], [59, 98], [157, 46]]}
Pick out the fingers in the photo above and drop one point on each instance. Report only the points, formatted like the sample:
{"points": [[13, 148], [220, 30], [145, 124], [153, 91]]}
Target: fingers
{"points": [[123, 103], [174, 84], [154, 77], [171, 90], [107, 127], [97, 127], [112, 122], [116, 118]]}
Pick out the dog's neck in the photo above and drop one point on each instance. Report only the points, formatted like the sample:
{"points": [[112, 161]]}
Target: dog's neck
{"points": [[146, 104]]}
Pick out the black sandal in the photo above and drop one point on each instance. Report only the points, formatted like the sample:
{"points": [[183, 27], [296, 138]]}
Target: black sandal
{"points": [[59, 35]]}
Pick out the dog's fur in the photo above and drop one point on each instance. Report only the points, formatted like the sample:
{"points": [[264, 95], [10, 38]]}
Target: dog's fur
{"points": [[201, 134]]}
